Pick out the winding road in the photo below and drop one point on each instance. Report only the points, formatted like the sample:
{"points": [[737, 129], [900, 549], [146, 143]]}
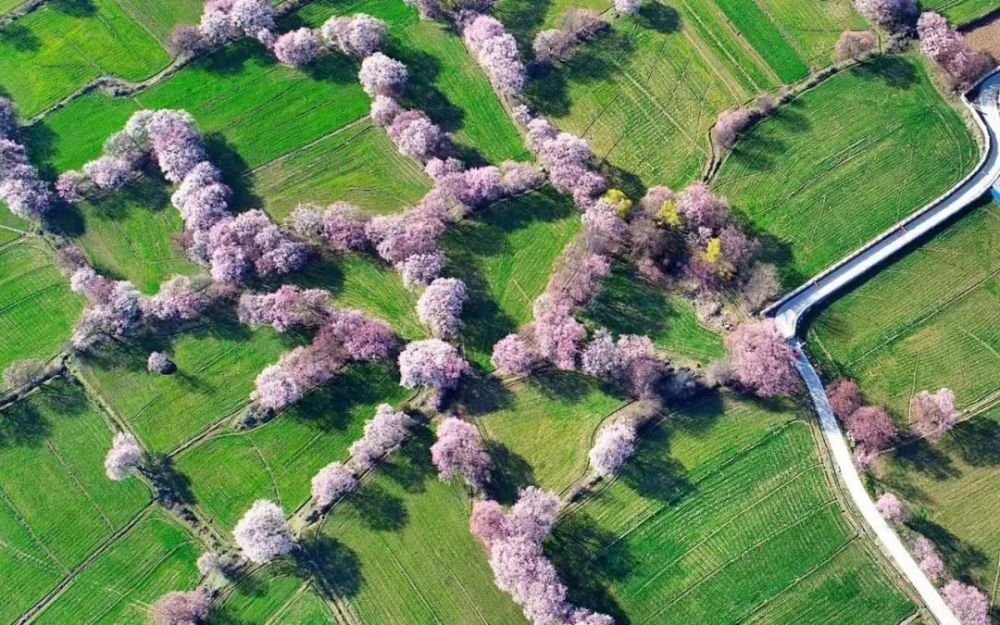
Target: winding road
{"points": [[796, 305]]}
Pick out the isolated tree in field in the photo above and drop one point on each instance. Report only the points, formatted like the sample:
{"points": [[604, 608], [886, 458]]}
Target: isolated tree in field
{"points": [[123, 458], [440, 306], [762, 359], [855, 44], [158, 362], [381, 75], [970, 605], [889, 14], [614, 445], [263, 534], [431, 363], [894, 510], [181, 608], [297, 47], [332, 482], [934, 413], [928, 558], [513, 356], [871, 427], [844, 396], [459, 451], [627, 7], [952, 53]]}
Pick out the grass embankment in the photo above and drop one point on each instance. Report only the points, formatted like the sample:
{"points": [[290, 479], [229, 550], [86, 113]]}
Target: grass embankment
{"points": [[840, 164]]}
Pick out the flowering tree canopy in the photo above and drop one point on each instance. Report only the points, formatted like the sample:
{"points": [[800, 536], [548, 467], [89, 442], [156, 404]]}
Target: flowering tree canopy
{"points": [[512, 356], [332, 482], [934, 413], [297, 47], [381, 75], [894, 510], [949, 49], [614, 445], [762, 359], [263, 534], [459, 451], [432, 363], [889, 14], [871, 427], [440, 306], [928, 558], [383, 435], [970, 605], [123, 458], [181, 608], [844, 396]]}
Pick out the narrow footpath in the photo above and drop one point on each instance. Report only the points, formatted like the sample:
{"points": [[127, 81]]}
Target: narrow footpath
{"points": [[796, 305]]}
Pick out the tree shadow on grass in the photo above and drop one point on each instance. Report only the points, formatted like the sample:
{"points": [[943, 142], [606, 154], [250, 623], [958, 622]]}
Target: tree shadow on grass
{"points": [[235, 170], [653, 474], [977, 441], [411, 466], [336, 68], [895, 71], [923, 457], [20, 38], [332, 406], [523, 19], [378, 509], [511, 472], [548, 87], [659, 17], [959, 557], [336, 566], [567, 385], [23, 425], [588, 559], [76, 8], [231, 60], [172, 485], [482, 395], [40, 141]]}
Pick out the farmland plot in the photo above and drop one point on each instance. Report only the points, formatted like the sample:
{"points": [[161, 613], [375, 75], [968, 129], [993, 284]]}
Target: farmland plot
{"points": [[725, 515], [960, 11], [846, 160], [277, 460], [56, 505], [29, 282]]}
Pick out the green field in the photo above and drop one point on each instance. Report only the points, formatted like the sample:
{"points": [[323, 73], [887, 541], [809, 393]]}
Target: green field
{"points": [[160, 17], [937, 323], [275, 594], [277, 460], [505, 255], [724, 516], [837, 166], [952, 485], [30, 282], [69, 44], [628, 304], [540, 428], [646, 94], [960, 11], [399, 551], [56, 505]]}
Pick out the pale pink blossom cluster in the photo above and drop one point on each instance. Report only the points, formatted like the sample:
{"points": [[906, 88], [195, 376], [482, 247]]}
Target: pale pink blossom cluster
{"points": [[928, 558], [762, 359], [870, 427], [934, 414], [333, 482], [952, 53], [263, 533], [224, 20], [114, 308], [970, 605], [339, 226], [459, 451], [288, 307], [124, 457], [346, 336], [21, 189], [181, 608], [360, 35], [431, 363], [566, 158], [894, 510], [440, 306], [577, 27], [496, 50], [514, 542], [383, 435], [614, 445], [630, 362]]}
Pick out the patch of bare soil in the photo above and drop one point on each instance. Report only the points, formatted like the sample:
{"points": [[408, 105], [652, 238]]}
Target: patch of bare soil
{"points": [[985, 35]]}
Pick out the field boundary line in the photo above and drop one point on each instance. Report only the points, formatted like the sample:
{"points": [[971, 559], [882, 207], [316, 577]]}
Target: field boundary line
{"points": [[305, 146], [145, 576], [79, 484], [23, 522], [43, 604]]}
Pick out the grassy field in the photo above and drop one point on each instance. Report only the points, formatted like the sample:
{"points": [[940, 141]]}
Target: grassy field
{"points": [[846, 160], [540, 428], [399, 551], [725, 516], [159, 18], [29, 283], [936, 325], [646, 94], [62, 509], [276, 461], [68, 44], [505, 255], [273, 594], [130, 235], [352, 165], [628, 304], [154, 557], [952, 485], [959, 11]]}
